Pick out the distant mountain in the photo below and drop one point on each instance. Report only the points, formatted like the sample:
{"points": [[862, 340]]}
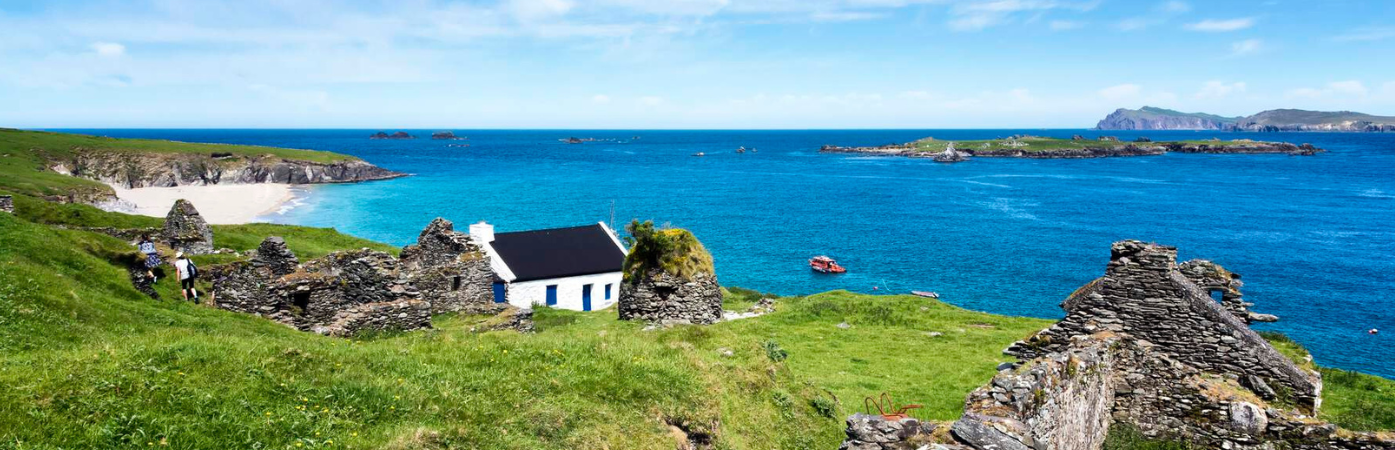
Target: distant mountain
{"points": [[1150, 118]]}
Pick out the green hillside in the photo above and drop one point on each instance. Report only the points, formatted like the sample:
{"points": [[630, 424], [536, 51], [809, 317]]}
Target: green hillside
{"points": [[24, 156], [1151, 111]]}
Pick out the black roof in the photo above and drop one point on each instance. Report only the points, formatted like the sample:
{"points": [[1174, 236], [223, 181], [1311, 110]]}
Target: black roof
{"points": [[559, 252]]}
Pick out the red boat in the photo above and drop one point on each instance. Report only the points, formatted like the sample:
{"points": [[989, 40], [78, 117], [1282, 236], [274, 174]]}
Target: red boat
{"points": [[824, 264]]}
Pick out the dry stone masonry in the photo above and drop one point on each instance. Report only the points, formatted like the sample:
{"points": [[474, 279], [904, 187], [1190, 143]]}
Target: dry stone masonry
{"points": [[663, 298], [7, 204], [186, 231], [1144, 346], [451, 270]]}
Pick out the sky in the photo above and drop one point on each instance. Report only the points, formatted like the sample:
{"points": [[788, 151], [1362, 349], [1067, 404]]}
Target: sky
{"points": [[681, 64]]}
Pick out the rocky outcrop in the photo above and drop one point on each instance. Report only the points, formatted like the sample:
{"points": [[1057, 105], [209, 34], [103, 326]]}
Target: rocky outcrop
{"points": [[451, 270], [951, 155], [1106, 149], [186, 231], [663, 298], [134, 170], [1150, 118], [397, 135], [445, 135]]}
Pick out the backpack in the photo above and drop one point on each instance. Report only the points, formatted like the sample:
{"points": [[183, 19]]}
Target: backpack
{"points": [[192, 269]]}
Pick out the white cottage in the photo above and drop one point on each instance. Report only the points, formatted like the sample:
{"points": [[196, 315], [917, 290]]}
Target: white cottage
{"points": [[576, 268]]}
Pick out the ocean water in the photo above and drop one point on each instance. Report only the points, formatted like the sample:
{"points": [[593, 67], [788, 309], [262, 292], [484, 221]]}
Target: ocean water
{"points": [[1312, 236]]}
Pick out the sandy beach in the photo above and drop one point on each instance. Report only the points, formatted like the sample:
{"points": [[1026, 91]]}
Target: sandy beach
{"points": [[219, 203]]}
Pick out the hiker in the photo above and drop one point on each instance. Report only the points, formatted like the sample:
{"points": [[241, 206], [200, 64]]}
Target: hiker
{"points": [[188, 272], [152, 256]]}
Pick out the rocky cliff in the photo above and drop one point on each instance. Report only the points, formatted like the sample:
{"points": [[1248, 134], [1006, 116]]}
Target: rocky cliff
{"points": [[1150, 118], [134, 170]]}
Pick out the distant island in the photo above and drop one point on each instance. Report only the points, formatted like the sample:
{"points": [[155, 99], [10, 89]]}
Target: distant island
{"points": [[397, 135], [445, 135], [1274, 120], [1076, 147]]}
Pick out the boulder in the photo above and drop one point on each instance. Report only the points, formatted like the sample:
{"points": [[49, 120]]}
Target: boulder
{"points": [[186, 231], [7, 204]]}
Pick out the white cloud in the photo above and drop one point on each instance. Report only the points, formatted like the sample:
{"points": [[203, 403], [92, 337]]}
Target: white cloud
{"points": [[1120, 92], [1219, 89], [1246, 47], [651, 100], [1218, 26], [974, 16], [1366, 34], [1347, 89], [600, 98], [540, 9], [1062, 25], [1174, 7], [109, 49], [1133, 24]]}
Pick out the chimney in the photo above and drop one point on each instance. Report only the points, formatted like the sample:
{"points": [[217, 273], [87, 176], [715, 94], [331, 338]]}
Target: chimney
{"points": [[482, 232]]}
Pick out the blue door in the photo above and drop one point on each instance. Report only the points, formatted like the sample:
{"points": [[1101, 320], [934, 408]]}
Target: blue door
{"points": [[499, 296], [586, 297], [607, 292], [552, 295]]}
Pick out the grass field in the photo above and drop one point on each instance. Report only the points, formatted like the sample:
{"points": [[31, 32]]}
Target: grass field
{"points": [[25, 154]]}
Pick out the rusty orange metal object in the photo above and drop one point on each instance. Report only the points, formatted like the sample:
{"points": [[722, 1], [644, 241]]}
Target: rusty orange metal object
{"points": [[886, 408]]}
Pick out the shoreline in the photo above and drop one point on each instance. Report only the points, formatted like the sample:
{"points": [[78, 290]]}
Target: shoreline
{"points": [[219, 204]]}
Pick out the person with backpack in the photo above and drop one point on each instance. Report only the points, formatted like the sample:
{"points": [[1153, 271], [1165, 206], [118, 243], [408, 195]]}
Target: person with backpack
{"points": [[152, 256], [188, 272]]}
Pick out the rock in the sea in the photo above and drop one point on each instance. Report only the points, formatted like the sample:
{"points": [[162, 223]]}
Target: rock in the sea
{"points": [[397, 135], [186, 231], [446, 135], [951, 155]]}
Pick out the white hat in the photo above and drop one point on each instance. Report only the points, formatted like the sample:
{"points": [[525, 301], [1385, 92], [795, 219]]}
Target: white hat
{"points": [[179, 254]]}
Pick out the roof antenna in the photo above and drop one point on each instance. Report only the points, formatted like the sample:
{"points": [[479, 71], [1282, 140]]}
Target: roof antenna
{"points": [[612, 217]]}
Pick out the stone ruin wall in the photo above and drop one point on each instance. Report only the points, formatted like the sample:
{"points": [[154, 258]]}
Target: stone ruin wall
{"points": [[186, 231], [1144, 294], [663, 298], [347, 292], [450, 270], [7, 204], [1105, 364]]}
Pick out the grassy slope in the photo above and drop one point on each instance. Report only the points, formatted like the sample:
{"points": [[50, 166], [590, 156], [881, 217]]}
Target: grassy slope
{"points": [[1149, 111], [90, 363], [23, 154]]}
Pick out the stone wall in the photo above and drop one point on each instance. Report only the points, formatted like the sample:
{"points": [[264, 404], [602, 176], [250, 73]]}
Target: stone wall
{"points": [[1147, 347], [1145, 294], [660, 297], [451, 270], [186, 231], [1059, 402], [874, 432]]}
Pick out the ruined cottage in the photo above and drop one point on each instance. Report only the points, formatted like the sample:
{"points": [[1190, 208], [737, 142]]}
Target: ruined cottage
{"points": [[669, 278], [1148, 346], [186, 231], [450, 270], [343, 293]]}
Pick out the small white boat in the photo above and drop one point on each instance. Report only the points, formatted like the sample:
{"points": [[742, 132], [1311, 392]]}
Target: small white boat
{"points": [[926, 294]]}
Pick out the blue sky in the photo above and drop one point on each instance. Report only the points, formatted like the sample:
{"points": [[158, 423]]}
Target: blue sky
{"points": [[681, 63]]}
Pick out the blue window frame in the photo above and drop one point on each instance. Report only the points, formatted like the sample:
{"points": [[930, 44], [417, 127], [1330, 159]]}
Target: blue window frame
{"points": [[552, 295], [586, 297], [499, 295], [607, 291]]}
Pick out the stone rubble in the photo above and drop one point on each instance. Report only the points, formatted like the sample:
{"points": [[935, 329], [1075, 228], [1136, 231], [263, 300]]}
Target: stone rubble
{"points": [[451, 270], [7, 204]]}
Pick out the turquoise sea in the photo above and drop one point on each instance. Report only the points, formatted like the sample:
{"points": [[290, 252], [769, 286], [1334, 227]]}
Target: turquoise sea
{"points": [[1312, 236]]}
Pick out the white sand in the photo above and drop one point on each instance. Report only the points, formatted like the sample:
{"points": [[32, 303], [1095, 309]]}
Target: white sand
{"points": [[219, 203]]}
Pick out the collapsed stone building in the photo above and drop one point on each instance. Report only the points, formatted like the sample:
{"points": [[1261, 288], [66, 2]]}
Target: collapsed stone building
{"points": [[669, 285], [348, 292], [1146, 346], [186, 231]]}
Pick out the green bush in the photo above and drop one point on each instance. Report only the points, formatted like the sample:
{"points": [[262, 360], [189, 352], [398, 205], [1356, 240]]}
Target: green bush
{"points": [[675, 251], [774, 352]]}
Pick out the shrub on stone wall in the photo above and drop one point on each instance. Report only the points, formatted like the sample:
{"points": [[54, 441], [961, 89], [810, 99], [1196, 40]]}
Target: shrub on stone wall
{"points": [[674, 251]]}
